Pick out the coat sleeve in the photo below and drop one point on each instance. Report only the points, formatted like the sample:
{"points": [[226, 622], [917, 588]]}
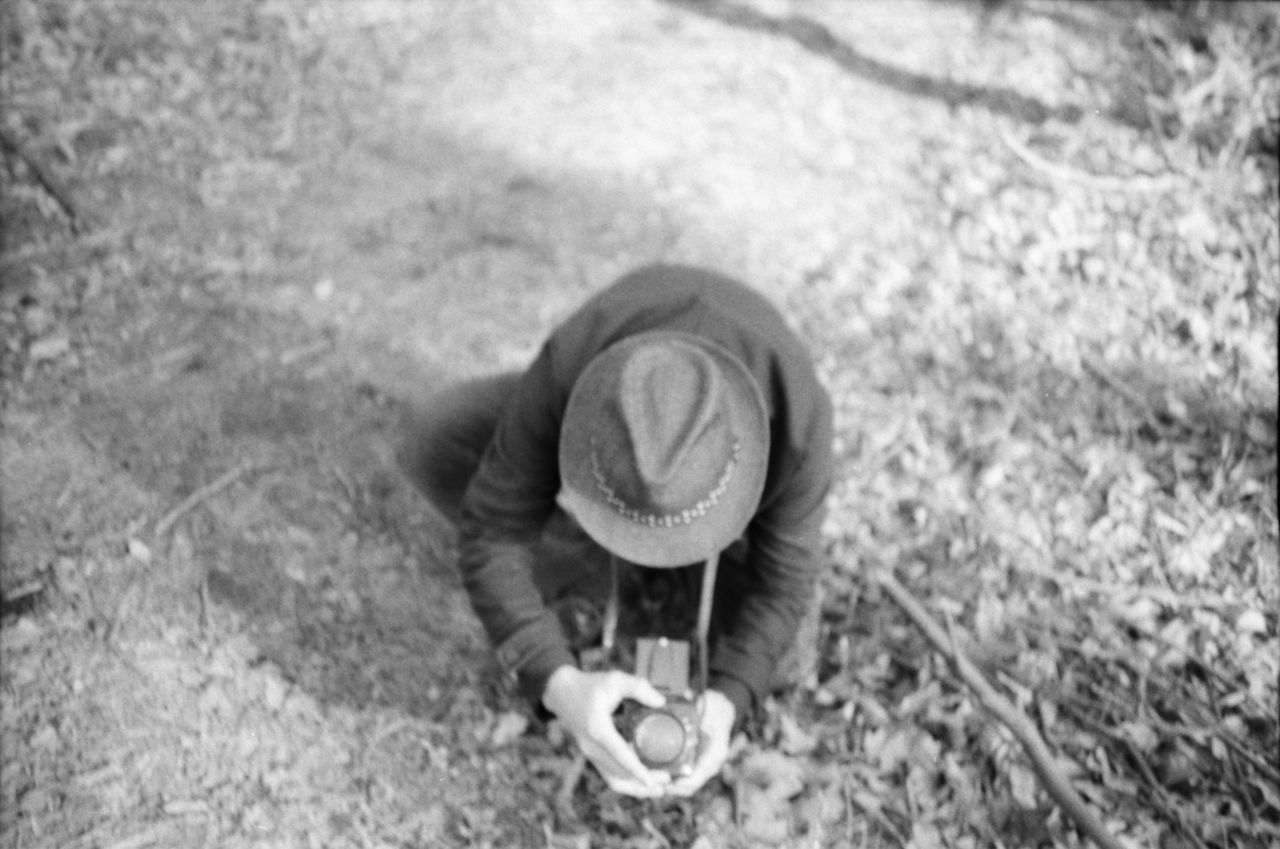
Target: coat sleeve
{"points": [[784, 559], [503, 512]]}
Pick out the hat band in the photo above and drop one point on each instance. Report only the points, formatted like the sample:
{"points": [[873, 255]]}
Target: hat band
{"points": [[664, 520]]}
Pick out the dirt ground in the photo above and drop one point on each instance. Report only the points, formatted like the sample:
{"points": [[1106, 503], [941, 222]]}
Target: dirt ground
{"points": [[230, 623]]}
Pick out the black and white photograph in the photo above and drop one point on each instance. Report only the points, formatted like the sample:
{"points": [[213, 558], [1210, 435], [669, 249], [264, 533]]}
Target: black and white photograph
{"points": [[639, 424]]}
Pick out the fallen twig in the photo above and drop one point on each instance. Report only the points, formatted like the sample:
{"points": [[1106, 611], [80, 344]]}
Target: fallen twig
{"points": [[1226, 738], [657, 837], [572, 775], [1168, 806], [1136, 183], [50, 183], [161, 367], [847, 796], [1190, 822], [168, 520], [1197, 735], [154, 833], [1185, 652], [1167, 598], [205, 606], [1042, 759], [1158, 794], [876, 816], [22, 599], [1123, 389]]}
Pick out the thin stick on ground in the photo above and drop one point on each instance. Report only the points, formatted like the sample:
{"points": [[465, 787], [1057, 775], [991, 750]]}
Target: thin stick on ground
{"points": [[1042, 759], [168, 520], [45, 178], [873, 815], [1159, 795], [1065, 580], [1133, 396], [572, 775], [1066, 173]]}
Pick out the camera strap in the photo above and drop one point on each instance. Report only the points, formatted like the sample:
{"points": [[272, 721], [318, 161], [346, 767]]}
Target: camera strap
{"points": [[609, 629], [706, 597]]}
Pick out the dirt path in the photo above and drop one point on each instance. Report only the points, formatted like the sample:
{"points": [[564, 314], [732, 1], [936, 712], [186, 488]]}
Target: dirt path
{"points": [[425, 190]]}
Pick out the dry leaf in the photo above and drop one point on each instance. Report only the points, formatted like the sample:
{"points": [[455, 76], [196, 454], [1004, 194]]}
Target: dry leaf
{"points": [[567, 840], [889, 749], [49, 347], [925, 835], [988, 618], [273, 693], [873, 711], [1142, 612], [761, 817], [24, 633], [1022, 784], [778, 776], [921, 787], [1140, 735], [508, 727], [821, 805], [795, 740], [45, 738], [428, 825], [914, 703], [138, 550], [1252, 622], [866, 801]]}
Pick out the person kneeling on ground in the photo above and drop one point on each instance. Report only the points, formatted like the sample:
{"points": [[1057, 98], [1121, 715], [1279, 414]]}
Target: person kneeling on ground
{"points": [[672, 419]]}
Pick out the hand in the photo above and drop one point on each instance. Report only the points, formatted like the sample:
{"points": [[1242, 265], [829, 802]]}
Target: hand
{"points": [[585, 702], [718, 715]]}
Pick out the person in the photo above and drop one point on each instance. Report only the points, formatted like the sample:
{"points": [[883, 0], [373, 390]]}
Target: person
{"points": [[672, 418]]}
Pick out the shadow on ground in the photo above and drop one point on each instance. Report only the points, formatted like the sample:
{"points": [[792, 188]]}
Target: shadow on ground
{"points": [[317, 548], [817, 38]]}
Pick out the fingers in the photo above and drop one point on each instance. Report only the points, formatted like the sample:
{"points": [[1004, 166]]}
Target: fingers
{"points": [[621, 768], [622, 757], [586, 703], [613, 756], [708, 764], [631, 787], [637, 688], [717, 727]]}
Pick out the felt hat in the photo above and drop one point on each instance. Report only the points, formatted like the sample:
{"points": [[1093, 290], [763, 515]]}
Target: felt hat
{"points": [[664, 448]]}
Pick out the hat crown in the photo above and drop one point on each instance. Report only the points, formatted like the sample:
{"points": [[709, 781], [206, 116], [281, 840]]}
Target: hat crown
{"points": [[663, 448], [669, 417]]}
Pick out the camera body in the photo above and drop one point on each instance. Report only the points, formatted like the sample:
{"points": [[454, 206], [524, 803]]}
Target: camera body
{"points": [[665, 738]]}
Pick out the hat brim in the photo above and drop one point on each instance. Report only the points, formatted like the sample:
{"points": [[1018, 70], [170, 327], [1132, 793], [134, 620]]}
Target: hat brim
{"points": [[683, 544]]}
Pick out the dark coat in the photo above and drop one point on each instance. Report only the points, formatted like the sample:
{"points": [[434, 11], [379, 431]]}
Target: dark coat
{"points": [[513, 492]]}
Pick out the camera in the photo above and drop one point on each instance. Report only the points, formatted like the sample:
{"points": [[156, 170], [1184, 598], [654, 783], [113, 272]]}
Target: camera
{"points": [[665, 738]]}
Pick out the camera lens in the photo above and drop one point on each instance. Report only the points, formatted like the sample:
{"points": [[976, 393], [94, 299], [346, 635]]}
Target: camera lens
{"points": [[659, 738]]}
